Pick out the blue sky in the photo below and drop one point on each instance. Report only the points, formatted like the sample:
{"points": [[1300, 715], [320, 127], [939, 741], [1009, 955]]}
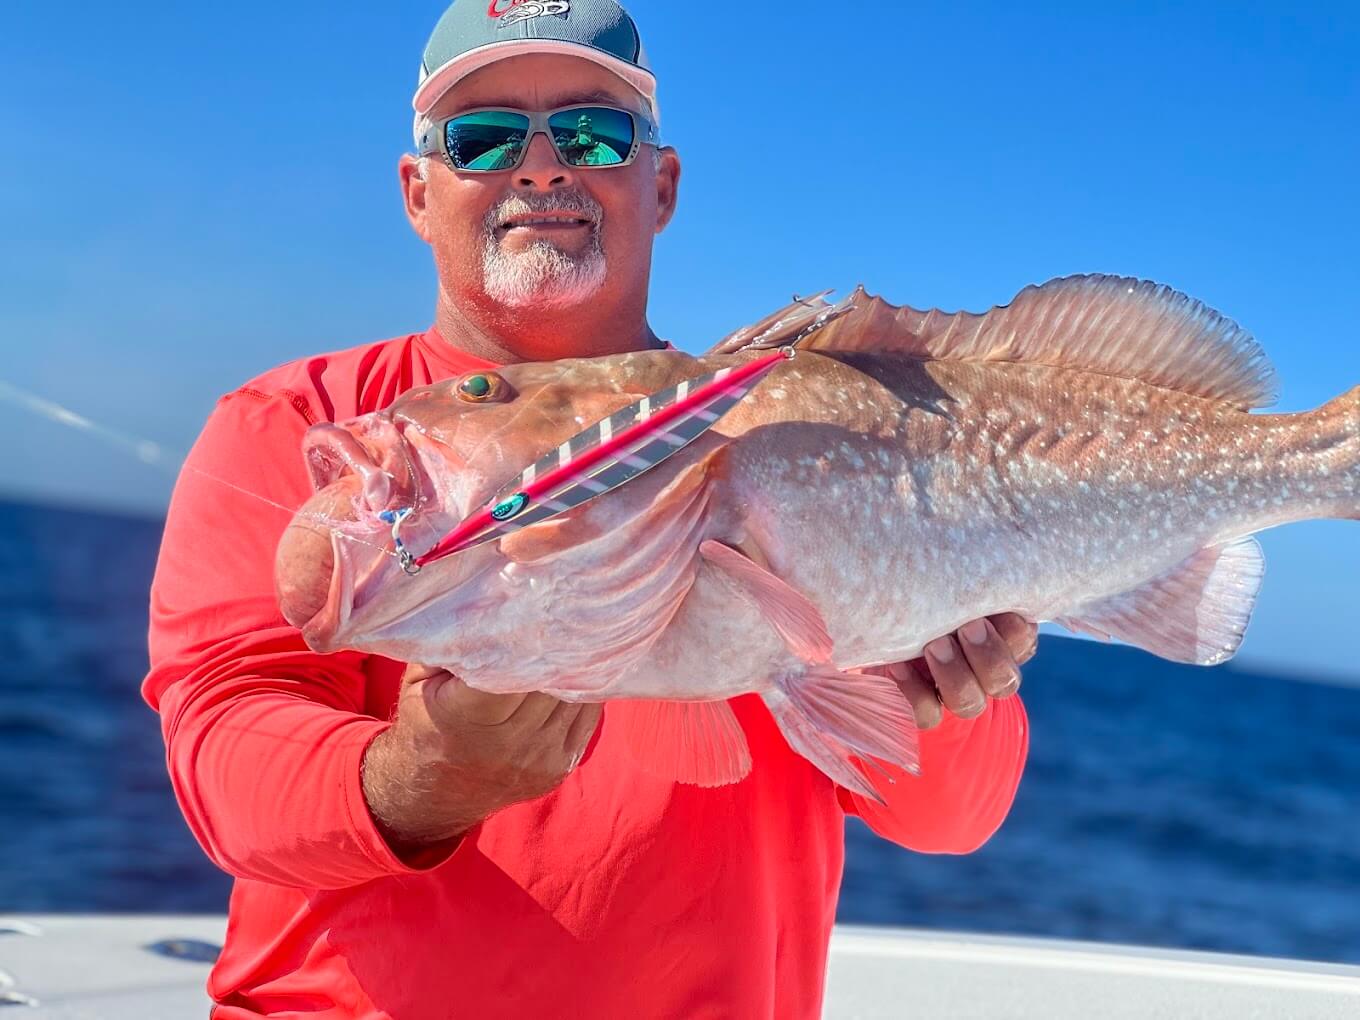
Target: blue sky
{"points": [[187, 198]]}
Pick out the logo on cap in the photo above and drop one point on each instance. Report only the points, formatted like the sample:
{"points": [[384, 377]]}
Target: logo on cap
{"points": [[509, 12]]}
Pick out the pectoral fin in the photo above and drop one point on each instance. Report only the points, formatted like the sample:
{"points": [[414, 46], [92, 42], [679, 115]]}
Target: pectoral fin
{"points": [[789, 612], [1196, 612], [695, 742]]}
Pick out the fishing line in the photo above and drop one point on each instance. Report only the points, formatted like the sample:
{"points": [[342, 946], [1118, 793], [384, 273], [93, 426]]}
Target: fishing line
{"points": [[153, 453]]}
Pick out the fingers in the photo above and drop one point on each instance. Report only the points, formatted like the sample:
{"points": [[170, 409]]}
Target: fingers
{"points": [[415, 673], [535, 711], [581, 729], [449, 698], [990, 659], [919, 690], [980, 661], [1021, 635], [959, 688]]}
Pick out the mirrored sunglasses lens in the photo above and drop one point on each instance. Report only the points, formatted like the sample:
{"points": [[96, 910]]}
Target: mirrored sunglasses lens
{"points": [[486, 141], [592, 135]]}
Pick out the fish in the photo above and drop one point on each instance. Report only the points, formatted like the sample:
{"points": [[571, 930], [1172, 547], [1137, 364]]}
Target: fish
{"points": [[1091, 454]]}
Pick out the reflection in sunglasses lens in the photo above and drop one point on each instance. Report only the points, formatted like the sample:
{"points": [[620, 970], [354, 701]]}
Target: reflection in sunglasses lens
{"points": [[486, 141], [592, 136], [494, 139]]}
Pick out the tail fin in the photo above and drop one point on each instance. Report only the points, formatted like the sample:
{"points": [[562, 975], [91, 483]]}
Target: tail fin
{"points": [[1347, 408]]}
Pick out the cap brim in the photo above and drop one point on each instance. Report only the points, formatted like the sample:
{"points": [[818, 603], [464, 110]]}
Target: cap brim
{"points": [[446, 76]]}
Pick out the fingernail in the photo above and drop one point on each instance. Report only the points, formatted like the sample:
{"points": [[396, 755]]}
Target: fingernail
{"points": [[941, 649], [975, 633]]}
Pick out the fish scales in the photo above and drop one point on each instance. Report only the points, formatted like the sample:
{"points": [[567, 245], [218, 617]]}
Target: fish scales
{"points": [[1030, 498], [904, 474]]}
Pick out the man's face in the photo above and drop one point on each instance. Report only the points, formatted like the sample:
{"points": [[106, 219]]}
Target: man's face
{"points": [[543, 234]]}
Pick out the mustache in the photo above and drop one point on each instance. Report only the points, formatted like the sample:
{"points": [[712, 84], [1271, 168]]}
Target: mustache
{"points": [[571, 200]]}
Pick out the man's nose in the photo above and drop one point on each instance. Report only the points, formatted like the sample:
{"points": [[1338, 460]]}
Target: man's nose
{"points": [[541, 169]]}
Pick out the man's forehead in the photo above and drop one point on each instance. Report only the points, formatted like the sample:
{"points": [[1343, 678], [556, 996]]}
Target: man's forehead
{"points": [[525, 82]]}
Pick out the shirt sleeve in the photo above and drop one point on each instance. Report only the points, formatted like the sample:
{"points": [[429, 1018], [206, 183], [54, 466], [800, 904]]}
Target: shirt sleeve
{"points": [[264, 738], [970, 770]]}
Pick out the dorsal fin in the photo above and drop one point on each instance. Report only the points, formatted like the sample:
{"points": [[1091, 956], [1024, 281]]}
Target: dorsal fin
{"points": [[1113, 325]]}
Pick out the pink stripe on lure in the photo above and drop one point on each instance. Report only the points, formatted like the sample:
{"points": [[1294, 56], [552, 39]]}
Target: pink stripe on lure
{"points": [[606, 455]]}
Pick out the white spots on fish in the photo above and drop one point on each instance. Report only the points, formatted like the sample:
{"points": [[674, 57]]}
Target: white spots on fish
{"points": [[852, 455]]}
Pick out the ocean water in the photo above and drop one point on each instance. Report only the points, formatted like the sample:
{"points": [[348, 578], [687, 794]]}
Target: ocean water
{"points": [[1162, 805]]}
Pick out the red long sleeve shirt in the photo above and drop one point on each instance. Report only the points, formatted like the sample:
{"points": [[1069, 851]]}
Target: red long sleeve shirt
{"points": [[617, 895]]}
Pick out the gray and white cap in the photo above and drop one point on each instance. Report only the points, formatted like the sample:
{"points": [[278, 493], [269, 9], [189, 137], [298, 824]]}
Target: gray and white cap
{"points": [[474, 33]]}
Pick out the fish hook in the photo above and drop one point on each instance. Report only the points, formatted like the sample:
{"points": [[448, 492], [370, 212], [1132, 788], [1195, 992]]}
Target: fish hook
{"points": [[397, 518]]}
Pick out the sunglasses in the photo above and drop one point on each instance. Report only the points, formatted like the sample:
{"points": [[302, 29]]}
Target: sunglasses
{"points": [[486, 141]]}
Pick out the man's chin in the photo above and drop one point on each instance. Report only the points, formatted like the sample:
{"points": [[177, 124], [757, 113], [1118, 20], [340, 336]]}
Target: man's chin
{"points": [[547, 297], [561, 286]]}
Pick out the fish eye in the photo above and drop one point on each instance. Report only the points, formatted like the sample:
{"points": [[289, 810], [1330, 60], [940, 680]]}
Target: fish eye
{"points": [[482, 387]]}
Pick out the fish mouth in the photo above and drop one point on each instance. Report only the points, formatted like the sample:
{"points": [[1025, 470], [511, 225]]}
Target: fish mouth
{"points": [[311, 558], [333, 451], [362, 473]]}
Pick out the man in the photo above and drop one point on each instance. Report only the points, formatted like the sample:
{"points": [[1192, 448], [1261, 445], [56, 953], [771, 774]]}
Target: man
{"points": [[405, 846]]}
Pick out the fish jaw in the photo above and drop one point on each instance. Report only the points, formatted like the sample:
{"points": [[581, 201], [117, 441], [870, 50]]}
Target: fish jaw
{"points": [[340, 581], [311, 558], [340, 551]]}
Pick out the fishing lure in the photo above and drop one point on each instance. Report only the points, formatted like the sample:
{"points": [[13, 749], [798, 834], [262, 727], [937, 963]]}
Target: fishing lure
{"points": [[610, 452]]}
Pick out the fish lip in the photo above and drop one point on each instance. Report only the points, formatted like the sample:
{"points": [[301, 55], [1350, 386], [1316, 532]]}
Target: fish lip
{"points": [[333, 451], [321, 629]]}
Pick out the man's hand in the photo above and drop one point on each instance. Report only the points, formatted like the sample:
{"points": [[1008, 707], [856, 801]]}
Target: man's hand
{"points": [[961, 671], [456, 755]]}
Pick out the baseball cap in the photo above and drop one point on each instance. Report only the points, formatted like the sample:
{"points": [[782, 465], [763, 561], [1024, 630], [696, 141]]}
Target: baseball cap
{"points": [[474, 33]]}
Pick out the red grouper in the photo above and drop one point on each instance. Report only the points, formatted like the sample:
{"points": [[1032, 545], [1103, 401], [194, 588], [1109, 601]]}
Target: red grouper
{"points": [[1084, 454]]}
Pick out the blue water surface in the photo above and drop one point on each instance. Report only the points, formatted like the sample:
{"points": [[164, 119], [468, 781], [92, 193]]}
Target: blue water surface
{"points": [[1162, 805]]}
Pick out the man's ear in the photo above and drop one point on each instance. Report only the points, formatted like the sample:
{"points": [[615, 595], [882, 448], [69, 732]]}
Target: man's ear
{"points": [[667, 185], [413, 194]]}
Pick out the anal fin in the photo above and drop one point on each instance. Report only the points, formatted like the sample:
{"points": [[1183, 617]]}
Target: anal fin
{"points": [[695, 742], [830, 717], [1196, 612]]}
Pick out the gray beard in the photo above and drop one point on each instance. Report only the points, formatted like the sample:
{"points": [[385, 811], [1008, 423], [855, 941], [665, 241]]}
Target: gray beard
{"points": [[542, 274]]}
